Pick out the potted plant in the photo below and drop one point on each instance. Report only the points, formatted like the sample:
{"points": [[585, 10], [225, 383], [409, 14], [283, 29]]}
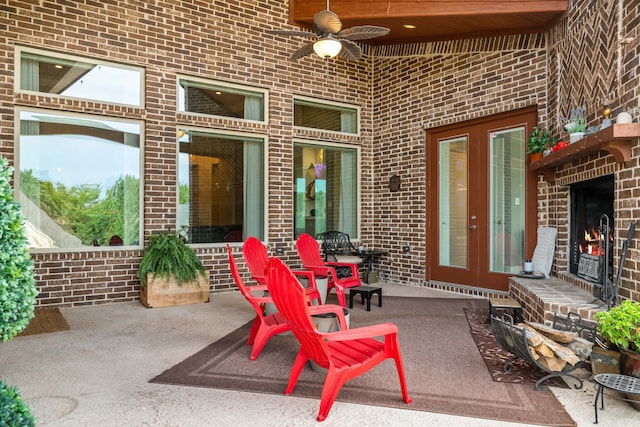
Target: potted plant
{"points": [[539, 141], [576, 124], [17, 291], [620, 326], [170, 273]]}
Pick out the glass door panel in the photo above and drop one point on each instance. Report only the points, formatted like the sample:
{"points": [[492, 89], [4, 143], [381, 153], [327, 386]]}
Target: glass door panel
{"points": [[507, 176], [453, 181]]}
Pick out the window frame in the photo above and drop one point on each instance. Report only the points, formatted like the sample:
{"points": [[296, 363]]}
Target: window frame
{"points": [[222, 85], [17, 160], [326, 104], [323, 144], [62, 56], [265, 165]]}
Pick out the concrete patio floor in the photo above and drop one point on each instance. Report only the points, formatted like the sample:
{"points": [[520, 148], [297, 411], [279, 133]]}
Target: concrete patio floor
{"points": [[97, 374]]}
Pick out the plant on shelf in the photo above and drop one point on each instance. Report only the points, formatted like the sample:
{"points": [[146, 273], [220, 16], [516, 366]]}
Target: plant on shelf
{"points": [[620, 325], [539, 141], [166, 263], [576, 122]]}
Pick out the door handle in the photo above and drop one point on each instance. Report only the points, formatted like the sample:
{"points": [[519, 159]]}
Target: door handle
{"points": [[473, 227]]}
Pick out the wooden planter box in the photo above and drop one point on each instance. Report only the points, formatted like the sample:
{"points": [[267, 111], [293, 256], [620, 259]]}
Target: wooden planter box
{"points": [[160, 292]]}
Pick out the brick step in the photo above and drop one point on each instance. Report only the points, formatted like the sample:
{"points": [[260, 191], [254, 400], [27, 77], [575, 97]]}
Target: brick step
{"points": [[541, 298]]}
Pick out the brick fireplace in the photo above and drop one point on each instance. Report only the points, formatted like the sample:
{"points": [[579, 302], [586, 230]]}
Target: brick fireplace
{"points": [[576, 190]]}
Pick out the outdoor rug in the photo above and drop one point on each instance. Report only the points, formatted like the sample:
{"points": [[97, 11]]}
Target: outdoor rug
{"points": [[495, 356], [45, 320], [444, 369]]}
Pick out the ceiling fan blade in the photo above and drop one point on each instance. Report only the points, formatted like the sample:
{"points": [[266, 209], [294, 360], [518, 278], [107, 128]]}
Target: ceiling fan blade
{"points": [[326, 22], [305, 50], [363, 32], [297, 33], [350, 50]]}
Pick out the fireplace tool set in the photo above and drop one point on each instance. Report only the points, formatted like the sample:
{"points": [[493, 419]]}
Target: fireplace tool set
{"points": [[606, 289]]}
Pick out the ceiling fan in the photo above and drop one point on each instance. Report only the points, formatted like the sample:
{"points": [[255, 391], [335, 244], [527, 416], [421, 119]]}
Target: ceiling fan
{"points": [[331, 39]]}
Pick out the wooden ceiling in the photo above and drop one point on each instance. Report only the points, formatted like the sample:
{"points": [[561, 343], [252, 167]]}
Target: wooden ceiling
{"points": [[436, 20]]}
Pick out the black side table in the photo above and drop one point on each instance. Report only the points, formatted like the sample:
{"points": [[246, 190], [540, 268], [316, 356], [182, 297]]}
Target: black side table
{"points": [[617, 382], [365, 293]]}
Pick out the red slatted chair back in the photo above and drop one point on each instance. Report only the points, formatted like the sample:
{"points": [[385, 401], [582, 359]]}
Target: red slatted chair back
{"points": [[289, 296], [256, 256]]}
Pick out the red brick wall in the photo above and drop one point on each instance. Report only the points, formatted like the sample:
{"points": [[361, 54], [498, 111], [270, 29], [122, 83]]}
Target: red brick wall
{"points": [[402, 90]]}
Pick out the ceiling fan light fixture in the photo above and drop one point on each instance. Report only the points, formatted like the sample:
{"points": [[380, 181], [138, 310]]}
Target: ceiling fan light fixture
{"points": [[327, 48]]}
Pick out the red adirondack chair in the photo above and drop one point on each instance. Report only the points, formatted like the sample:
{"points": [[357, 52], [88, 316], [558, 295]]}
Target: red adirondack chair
{"points": [[309, 253], [256, 256], [345, 353], [263, 327]]}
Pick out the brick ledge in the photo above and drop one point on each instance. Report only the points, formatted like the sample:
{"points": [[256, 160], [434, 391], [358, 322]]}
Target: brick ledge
{"points": [[540, 299]]}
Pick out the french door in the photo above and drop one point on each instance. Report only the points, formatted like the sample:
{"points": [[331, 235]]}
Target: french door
{"points": [[478, 225]]}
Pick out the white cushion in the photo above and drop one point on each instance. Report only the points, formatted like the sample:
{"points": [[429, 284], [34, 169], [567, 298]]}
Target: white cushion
{"points": [[545, 248], [349, 259]]}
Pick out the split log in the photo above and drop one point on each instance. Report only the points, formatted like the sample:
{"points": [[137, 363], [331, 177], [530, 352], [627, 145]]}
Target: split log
{"points": [[552, 363], [554, 334], [551, 349], [581, 347]]}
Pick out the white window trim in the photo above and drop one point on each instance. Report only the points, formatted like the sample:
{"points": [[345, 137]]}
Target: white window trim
{"points": [[16, 177], [327, 103], [265, 165], [264, 92], [18, 55], [358, 173]]}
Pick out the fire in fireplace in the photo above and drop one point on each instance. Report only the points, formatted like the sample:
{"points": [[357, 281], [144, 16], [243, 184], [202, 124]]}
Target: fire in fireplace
{"points": [[591, 227]]}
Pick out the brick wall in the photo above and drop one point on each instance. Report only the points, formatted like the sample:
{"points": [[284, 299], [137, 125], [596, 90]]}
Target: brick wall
{"points": [[402, 91]]}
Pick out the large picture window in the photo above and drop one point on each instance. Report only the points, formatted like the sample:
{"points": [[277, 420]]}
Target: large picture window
{"points": [[326, 189], [218, 99], [79, 78], [326, 115], [79, 179], [221, 188]]}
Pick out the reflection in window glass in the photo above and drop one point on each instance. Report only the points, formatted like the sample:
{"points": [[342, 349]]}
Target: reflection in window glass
{"points": [[220, 100], [325, 116], [221, 188], [79, 180], [80, 79], [326, 189]]}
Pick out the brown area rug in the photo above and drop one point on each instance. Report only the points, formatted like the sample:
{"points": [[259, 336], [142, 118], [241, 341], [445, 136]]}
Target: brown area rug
{"points": [[445, 371], [45, 320], [495, 356]]}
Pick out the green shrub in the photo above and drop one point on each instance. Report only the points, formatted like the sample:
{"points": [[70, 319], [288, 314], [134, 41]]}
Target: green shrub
{"points": [[13, 411], [17, 282]]}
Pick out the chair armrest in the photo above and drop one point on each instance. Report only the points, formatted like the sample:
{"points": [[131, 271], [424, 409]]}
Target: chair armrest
{"points": [[379, 330], [263, 300], [354, 267], [330, 308]]}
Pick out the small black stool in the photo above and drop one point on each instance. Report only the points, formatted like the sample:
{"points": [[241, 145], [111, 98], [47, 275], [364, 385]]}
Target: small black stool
{"points": [[365, 293], [506, 304]]}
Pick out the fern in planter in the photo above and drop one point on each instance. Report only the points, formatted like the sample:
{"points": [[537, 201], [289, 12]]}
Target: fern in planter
{"points": [[168, 256]]}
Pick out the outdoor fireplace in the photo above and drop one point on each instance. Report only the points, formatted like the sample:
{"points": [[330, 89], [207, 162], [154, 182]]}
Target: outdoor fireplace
{"points": [[591, 232]]}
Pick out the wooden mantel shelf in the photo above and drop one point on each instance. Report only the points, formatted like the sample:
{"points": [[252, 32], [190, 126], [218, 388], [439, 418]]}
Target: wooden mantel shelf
{"points": [[615, 140]]}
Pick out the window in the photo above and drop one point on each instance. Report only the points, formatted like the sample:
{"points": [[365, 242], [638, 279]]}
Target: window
{"points": [[326, 189], [79, 179], [79, 78], [325, 115], [221, 99], [221, 188]]}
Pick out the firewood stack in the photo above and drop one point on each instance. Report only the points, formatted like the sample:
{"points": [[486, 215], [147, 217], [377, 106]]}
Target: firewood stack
{"points": [[553, 348]]}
